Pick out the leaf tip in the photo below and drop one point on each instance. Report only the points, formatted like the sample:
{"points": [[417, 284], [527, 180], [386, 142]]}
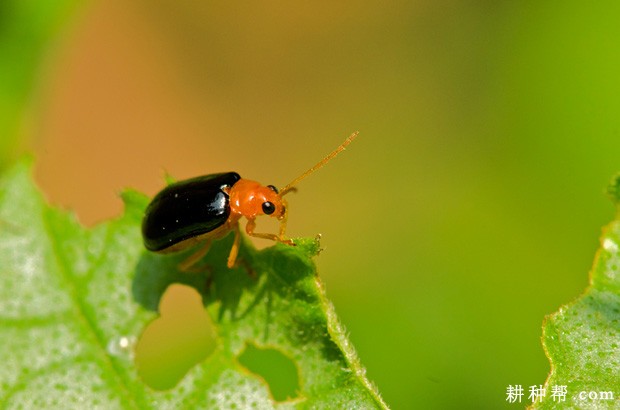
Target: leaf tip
{"points": [[135, 202], [613, 189], [310, 246], [168, 178], [25, 163]]}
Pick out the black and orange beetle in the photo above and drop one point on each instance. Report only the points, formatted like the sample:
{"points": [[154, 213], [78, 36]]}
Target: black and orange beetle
{"points": [[205, 208]]}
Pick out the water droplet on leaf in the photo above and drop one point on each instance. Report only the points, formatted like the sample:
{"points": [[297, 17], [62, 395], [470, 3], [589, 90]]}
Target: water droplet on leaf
{"points": [[122, 346]]}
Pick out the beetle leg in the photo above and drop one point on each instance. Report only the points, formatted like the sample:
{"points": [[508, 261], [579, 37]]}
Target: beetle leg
{"points": [[251, 225], [283, 219], [195, 257], [234, 251]]}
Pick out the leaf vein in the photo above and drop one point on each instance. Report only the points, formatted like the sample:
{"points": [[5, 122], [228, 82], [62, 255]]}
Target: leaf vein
{"points": [[87, 322]]}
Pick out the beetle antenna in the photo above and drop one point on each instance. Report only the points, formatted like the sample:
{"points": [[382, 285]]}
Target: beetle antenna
{"points": [[341, 147]]}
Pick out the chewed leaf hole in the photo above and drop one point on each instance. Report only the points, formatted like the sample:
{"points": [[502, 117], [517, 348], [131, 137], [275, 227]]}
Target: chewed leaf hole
{"points": [[278, 370], [180, 338]]}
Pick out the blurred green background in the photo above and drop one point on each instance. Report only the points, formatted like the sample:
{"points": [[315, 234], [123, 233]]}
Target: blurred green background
{"points": [[467, 210]]}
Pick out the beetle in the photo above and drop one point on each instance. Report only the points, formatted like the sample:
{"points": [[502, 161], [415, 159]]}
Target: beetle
{"points": [[206, 208]]}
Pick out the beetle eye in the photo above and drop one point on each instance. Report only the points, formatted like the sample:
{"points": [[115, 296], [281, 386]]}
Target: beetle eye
{"points": [[268, 208], [273, 188]]}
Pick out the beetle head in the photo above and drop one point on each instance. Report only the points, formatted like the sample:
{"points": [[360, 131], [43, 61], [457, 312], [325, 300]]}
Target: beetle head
{"points": [[251, 199]]}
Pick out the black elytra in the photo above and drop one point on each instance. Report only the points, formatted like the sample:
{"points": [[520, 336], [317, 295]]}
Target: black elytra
{"points": [[187, 209]]}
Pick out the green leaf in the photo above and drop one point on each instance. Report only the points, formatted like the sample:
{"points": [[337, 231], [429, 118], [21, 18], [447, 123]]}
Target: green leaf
{"points": [[582, 340], [73, 301]]}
